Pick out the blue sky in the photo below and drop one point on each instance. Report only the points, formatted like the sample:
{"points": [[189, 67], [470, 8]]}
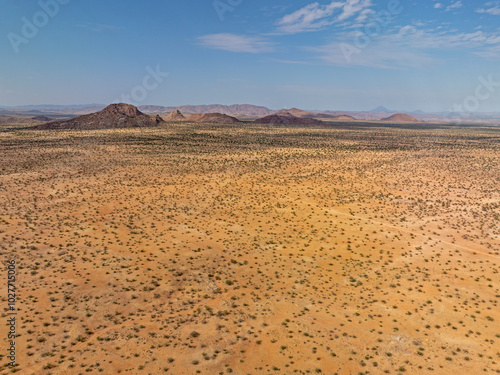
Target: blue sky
{"points": [[338, 55]]}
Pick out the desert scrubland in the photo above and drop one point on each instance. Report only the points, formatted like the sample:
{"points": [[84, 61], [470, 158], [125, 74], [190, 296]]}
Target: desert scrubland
{"points": [[357, 248]]}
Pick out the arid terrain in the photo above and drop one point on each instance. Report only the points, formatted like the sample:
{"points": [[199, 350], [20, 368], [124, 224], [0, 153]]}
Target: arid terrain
{"points": [[189, 248]]}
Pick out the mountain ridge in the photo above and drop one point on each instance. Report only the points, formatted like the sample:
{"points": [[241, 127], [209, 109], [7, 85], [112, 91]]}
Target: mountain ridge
{"points": [[50, 110]]}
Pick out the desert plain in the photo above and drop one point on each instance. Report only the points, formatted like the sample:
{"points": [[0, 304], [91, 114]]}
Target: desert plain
{"points": [[354, 248]]}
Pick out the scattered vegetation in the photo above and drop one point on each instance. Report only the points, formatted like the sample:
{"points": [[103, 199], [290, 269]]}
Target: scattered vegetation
{"points": [[215, 249]]}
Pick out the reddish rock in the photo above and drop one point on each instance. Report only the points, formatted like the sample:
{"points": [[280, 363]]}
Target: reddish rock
{"points": [[175, 115], [400, 117], [216, 118]]}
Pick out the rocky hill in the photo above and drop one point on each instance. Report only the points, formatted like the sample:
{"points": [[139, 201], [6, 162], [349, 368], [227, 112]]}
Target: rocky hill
{"points": [[216, 118], [333, 117], [287, 118], [114, 116], [400, 117], [343, 117], [294, 112], [175, 115], [303, 114]]}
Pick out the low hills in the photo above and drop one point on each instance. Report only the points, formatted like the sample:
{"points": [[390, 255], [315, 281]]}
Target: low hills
{"points": [[400, 117], [334, 117], [122, 115], [294, 112], [114, 116], [250, 112], [286, 118], [344, 117], [315, 115], [175, 115], [215, 118]]}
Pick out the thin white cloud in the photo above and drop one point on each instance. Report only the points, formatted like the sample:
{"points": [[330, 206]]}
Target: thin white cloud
{"points": [[353, 7], [431, 39], [454, 5], [438, 5], [492, 8], [315, 16], [236, 43], [273, 10], [406, 47], [364, 15], [310, 18], [295, 62]]}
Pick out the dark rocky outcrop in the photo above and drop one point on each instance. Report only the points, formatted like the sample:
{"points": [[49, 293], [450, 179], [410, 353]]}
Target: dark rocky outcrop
{"points": [[114, 116]]}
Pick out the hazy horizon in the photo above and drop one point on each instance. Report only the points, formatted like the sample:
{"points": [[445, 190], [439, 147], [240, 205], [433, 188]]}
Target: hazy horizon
{"points": [[90, 105]]}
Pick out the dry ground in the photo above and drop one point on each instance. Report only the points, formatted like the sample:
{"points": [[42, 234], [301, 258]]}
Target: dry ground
{"points": [[360, 249]]}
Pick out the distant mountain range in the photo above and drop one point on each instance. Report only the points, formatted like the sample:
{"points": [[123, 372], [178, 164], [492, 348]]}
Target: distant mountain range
{"points": [[52, 106], [236, 110]]}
